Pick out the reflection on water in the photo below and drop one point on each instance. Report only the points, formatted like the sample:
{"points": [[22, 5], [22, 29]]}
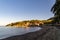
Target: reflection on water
{"points": [[8, 31]]}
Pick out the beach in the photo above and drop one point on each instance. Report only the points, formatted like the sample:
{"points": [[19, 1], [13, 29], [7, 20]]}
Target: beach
{"points": [[47, 33]]}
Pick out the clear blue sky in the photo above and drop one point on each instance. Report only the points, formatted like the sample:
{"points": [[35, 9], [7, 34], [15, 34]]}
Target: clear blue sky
{"points": [[16, 10]]}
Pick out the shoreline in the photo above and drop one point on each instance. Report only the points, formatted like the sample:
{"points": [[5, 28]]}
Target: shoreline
{"points": [[47, 33]]}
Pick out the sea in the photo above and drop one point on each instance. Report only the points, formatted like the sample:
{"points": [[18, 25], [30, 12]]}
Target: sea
{"points": [[6, 32]]}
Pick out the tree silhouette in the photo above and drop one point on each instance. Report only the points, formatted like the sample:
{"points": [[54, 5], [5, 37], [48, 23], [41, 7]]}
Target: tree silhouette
{"points": [[56, 10]]}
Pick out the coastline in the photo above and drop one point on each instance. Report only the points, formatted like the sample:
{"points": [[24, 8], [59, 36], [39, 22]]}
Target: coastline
{"points": [[46, 33]]}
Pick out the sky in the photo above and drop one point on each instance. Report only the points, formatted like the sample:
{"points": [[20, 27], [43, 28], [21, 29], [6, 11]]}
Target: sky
{"points": [[18, 10]]}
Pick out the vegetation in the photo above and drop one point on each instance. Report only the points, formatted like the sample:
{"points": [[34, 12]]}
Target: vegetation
{"points": [[30, 23], [56, 10]]}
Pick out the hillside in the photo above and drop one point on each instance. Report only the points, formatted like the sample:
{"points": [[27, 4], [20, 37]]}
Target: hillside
{"points": [[29, 23]]}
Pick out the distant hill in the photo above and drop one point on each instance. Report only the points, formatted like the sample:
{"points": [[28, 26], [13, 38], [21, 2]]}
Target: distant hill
{"points": [[29, 23]]}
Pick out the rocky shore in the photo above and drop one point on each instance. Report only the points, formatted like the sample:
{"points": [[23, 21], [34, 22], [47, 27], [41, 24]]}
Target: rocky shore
{"points": [[46, 33]]}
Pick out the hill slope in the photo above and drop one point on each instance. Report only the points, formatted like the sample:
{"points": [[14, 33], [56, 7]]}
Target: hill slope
{"points": [[29, 23]]}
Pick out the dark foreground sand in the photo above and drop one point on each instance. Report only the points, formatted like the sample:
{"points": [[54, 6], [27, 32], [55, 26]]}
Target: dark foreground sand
{"points": [[47, 33]]}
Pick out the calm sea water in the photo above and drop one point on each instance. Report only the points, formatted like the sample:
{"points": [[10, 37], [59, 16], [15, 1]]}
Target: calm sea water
{"points": [[6, 32]]}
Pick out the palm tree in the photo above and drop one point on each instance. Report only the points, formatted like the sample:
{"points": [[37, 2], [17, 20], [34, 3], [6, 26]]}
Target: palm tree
{"points": [[56, 10]]}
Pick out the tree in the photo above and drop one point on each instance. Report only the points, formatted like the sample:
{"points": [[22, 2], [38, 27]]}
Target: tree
{"points": [[56, 10]]}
